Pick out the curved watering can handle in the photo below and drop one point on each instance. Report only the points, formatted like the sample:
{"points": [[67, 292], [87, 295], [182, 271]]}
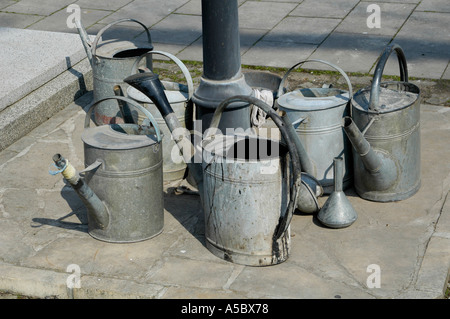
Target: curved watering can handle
{"points": [[349, 84], [285, 219], [375, 90], [187, 75], [92, 106], [99, 34]]}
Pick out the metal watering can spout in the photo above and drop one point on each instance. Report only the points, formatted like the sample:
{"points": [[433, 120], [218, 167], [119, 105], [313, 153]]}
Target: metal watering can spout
{"points": [[85, 40], [149, 84], [92, 202], [305, 161], [378, 164]]}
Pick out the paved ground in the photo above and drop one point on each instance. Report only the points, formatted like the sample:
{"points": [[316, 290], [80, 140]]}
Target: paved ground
{"points": [[273, 33], [43, 231], [43, 224]]}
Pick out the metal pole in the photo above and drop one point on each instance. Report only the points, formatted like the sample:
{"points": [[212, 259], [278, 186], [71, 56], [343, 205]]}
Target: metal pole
{"points": [[221, 56], [222, 77]]}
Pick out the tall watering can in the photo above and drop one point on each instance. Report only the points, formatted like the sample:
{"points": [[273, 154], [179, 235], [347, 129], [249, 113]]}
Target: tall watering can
{"points": [[317, 116], [248, 197], [111, 62], [387, 151], [179, 97], [123, 183]]}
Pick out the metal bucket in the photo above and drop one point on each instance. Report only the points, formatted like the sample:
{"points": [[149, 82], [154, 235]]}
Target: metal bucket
{"points": [[179, 97], [111, 62], [125, 171], [261, 80], [388, 114], [318, 112], [265, 87], [246, 182]]}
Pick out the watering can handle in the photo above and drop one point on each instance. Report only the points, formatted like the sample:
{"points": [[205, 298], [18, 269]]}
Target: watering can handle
{"points": [[99, 34], [128, 100], [375, 89], [187, 75], [285, 219], [281, 87]]}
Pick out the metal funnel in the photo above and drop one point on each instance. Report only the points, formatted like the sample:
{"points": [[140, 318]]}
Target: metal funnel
{"points": [[337, 212]]}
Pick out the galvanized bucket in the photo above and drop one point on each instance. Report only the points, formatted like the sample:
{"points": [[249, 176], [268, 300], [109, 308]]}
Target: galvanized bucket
{"points": [[179, 97], [111, 62], [125, 171], [261, 80], [388, 114], [317, 115], [247, 202], [265, 87]]}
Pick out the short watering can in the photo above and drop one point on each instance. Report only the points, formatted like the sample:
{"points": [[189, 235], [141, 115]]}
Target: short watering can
{"points": [[179, 97], [248, 197], [111, 62], [122, 186], [317, 116], [384, 130]]}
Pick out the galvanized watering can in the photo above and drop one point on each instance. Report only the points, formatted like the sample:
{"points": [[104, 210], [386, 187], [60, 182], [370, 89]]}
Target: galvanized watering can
{"points": [[247, 212], [387, 151], [317, 116], [179, 97], [123, 183], [111, 62]]}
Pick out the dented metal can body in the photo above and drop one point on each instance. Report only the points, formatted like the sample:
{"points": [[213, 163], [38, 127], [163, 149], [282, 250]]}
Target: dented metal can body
{"points": [[243, 201]]}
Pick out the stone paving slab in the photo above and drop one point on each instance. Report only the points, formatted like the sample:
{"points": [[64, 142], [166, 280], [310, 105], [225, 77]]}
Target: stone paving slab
{"points": [[324, 8], [421, 27], [392, 17], [31, 58], [351, 52], [43, 223], [43, 230], [29, 112], [425, 38]]}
